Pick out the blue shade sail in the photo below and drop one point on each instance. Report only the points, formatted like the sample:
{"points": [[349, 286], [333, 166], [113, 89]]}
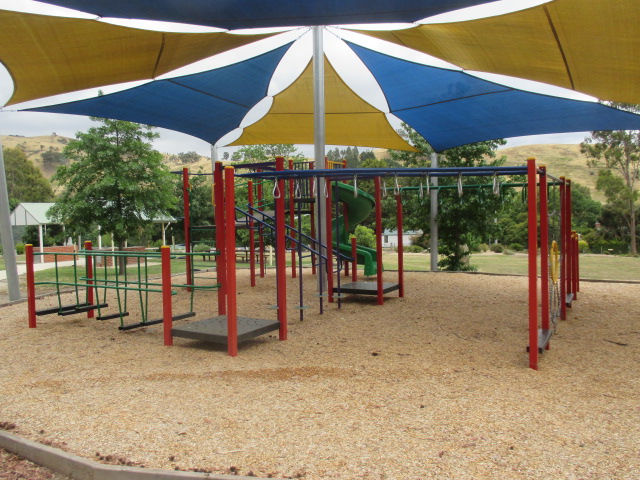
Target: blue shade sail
{"points": [[206, 105], [269, 13], [452, 108]]}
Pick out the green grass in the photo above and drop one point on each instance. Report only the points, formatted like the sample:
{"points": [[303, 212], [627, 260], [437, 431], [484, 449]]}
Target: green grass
{"points": [[595, 267]]}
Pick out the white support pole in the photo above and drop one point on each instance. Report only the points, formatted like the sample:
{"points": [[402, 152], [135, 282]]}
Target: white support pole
{"points": [[319, 142], [6, 236], [433, 239], [99, 237], [41, 242]]}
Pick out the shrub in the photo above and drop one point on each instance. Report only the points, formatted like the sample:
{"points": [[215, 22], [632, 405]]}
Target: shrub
{"points": [[496, 248], [516, 247], [20, 248], [483, 247], [365, 236], [583, 246], [414, 249]]}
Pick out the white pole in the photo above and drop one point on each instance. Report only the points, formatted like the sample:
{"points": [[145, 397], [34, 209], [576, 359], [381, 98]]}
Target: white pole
{"points": [[6, 236], [99, 237], [163, 235], [433, 239], [41, 241], [319, 142]]}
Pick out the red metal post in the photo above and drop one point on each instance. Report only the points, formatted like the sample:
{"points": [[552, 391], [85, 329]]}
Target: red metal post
{"points": [[230, 245], [574, 263], [380, 284], [563, 251], [167, 313], [354, 254], [569, 242], [187, 222], [31, 286], [89, 274], [544, 249], [400, 246], [292, 221], [329, 227], [533, 271], [281, 252], [221, 259], [252, 239], [345, 216]]}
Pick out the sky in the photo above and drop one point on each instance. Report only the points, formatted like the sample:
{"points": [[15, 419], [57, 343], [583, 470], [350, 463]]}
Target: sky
{"points": [[13, 122]]}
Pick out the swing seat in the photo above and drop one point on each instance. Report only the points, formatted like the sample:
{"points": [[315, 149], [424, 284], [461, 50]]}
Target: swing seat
{"points": [[64, 308], [84, 308]]}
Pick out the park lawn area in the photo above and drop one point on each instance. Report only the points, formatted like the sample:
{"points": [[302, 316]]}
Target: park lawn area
{"points": [[592, 266]]}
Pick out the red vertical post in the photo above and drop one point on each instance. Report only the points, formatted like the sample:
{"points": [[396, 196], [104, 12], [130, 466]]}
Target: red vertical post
{"points": [[230, 245], [89, 274], [400, 246], [569, 242], [563, 251], [221, 259], [354, 254], [574, 263], [186, 201], [292, 221], [281, 252], [260, 236], [167, 313], [252, 239], [544, 249], [380, 284], [329, 227], [31, 286], [345, 216], [533, 271]]}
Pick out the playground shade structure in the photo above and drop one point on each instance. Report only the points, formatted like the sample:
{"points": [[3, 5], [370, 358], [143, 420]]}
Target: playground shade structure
{"points": [[591, 47], [269, 13]]}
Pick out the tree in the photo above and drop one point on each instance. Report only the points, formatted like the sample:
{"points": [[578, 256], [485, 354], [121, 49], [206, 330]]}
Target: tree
{"points": [[619, 150], [462, 220], [188, 157], [263, 153], [115, 180], [25, 182], [52, 158]]}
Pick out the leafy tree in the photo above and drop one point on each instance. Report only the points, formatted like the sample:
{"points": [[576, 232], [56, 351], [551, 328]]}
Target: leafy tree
{"points": [[188, 157], [115, 180], [619, 150], [461, 219], [262, 153], [25, 182], [52, 158]]}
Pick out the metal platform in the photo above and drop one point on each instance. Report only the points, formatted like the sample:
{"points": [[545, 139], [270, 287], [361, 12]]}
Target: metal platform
{"points": [[544, 336], [214, 329], [569, 299], [366, 288]]}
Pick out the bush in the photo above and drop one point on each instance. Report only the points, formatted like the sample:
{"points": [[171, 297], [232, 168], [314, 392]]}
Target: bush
{"points": [[583, 246], [483, 247], [496, 248], [365, 236], [20, 248], [516, 247], [414, 249]]}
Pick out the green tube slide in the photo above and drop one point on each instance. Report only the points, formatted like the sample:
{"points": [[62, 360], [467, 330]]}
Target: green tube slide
{"points": [[358, 209]]}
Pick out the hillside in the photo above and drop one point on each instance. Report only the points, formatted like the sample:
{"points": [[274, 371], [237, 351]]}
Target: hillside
{"points": [[562, 160], [34, 147]]}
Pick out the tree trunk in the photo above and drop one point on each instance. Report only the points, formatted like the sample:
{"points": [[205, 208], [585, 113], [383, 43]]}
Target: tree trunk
{"points": [[122, 261]]}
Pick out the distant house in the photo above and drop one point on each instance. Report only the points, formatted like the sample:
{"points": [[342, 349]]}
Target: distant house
{"points": [[390, 238]]}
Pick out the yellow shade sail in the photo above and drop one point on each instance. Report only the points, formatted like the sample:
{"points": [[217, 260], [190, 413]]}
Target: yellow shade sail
{"points": [[589, 46], [349, 120], [48, 55]]}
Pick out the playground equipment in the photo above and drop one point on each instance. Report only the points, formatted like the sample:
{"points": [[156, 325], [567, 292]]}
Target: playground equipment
{"points": [[552, 232]]}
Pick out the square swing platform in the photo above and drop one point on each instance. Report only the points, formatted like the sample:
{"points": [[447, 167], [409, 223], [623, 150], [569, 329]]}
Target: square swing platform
{"points": [[214, 330], [365, 288]]}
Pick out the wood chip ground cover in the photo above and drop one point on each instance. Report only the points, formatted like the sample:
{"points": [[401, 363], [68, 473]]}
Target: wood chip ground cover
{"points": [[434, 385]]}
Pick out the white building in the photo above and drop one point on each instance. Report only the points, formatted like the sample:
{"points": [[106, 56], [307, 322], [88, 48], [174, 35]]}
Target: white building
{"points": [[390, 238]]}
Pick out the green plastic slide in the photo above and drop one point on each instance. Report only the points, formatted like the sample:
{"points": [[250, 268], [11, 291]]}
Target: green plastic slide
{"points": [[358, 209]]}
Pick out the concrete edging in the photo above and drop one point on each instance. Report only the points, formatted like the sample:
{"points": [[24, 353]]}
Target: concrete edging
{"points": [[80, 468]]}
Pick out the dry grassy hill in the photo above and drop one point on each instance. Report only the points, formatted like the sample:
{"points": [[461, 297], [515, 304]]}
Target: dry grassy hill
{"points": [[562, 160], [34, 147]]}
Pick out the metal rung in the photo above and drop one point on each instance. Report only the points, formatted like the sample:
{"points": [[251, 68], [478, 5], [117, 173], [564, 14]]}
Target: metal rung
{"points": [[300, 307], [112, 315], [64, 308], [82, 309]]}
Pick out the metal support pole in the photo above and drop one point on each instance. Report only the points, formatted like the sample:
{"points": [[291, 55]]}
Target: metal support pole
{"points": [[167, 313], [544, 250], [88, 246], [252, 239], [230, 246], [221, 260], [563, 249], [533, 270], [400, 246], [433, 239], [319, 143], [281, 273], [187, 223], [31, 287], [6, 236], [379, 279]]}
